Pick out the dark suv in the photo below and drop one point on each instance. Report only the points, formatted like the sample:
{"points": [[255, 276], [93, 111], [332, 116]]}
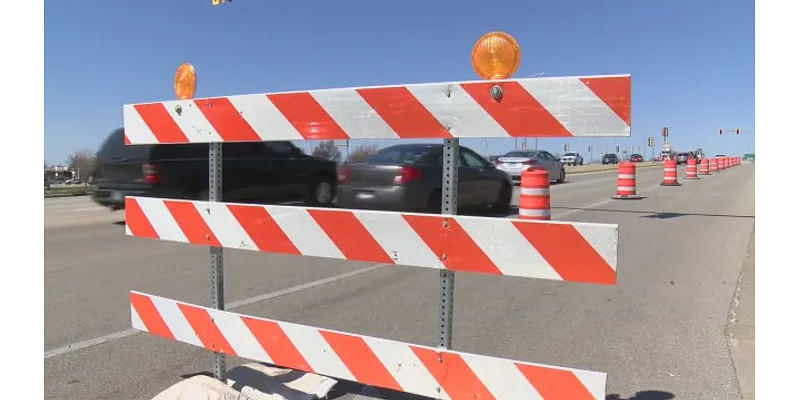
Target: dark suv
{"points": [[269, 172], [610, 159]]}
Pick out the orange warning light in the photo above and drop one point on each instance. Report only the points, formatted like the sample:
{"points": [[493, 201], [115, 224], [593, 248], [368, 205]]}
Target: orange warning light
{"points": [[185, 81], [496, 55]]}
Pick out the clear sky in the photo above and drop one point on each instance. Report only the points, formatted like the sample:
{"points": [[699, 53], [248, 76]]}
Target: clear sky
{"points": [[691, 62]]}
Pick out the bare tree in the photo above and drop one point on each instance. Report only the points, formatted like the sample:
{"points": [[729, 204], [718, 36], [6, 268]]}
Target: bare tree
{"points": [[327, 150], [83, 162], [362, 152]]}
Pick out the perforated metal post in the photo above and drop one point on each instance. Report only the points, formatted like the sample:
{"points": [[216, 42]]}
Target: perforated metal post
{"points": [[216, 271], [450, 163]]}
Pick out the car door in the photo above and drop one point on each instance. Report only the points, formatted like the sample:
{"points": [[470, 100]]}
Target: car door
{"points": [[485, 181], [551, 164]]}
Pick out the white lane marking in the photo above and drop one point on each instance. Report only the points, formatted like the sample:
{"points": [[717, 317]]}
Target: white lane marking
{"points": [[563, 214], [230, 306]]}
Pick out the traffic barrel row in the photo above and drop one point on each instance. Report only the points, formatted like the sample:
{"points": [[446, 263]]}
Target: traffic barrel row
{"points": [[534, 197]]}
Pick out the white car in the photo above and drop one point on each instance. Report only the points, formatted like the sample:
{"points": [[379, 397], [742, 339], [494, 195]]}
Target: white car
{"points": [[513, 163], [572, 159]]}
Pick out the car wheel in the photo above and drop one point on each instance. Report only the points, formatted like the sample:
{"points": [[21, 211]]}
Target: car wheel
{"points": [[503, 203], [562, 177], [322, 193]]}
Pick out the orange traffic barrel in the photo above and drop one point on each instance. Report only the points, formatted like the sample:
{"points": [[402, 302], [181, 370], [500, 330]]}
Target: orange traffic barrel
{"points": [[704, 167], [534, 194], [715, 164], [670, 173], [626, 182], [691, 168]]}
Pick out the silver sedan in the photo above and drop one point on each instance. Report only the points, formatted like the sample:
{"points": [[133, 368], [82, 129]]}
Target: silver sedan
{"points": [[514, 162]]}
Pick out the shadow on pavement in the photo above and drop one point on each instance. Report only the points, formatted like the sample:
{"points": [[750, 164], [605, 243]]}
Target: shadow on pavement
{"points": [[363, 392], [655, 214], [644, 395]]}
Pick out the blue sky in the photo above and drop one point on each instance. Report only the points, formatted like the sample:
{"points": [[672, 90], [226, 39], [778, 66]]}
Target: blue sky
{"points": [[691, 62]]}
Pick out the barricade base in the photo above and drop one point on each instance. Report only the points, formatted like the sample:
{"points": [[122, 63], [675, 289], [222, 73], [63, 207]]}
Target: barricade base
{"points": [[670, 184], [691, 177], [627, 197]]}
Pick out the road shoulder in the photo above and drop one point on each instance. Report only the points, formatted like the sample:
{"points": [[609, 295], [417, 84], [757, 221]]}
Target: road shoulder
{"points": [[741, 325]]}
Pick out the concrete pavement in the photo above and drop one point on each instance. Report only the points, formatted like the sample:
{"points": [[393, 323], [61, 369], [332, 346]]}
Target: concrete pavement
{"points": [[661, 328]]}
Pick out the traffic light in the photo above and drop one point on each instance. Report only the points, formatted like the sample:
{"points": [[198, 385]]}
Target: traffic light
{"points": [[566, 147], [617, 149], [650, 142], [737, 131], [720, 131]]}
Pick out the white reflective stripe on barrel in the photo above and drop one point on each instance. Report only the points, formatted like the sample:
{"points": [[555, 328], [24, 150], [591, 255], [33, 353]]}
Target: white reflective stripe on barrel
{"points": [[528, 212], [626, 188], [626, 176], [670, 169], [535, 191]]}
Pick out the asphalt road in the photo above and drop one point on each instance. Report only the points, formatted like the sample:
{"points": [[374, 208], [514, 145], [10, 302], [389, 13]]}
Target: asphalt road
{"points": [[661, 328]]}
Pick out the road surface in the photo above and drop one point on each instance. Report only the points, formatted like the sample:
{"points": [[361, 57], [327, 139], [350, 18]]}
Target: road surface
{"points": [[662, 328]]}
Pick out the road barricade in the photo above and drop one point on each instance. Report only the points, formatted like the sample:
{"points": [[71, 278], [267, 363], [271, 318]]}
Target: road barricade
{"points": [[626, 182], [564, 251], [670, 173], [715, 164], [534, 194]]}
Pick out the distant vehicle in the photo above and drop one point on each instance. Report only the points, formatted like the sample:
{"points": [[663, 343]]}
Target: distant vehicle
{"points": [[514, 162], [572, 159], [252, 172], [409, 177], [682, 158], [636, 158], [610, 159]]}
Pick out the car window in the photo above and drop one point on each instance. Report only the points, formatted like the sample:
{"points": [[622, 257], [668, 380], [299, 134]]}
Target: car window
{"points": [[115, 147], [547, 156], [399, 155], [472, 160], [528, 154]]}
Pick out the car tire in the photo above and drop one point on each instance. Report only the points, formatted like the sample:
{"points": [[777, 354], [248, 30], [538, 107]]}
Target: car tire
{"points": [[562, 177], [322, 193], [503, 203]]}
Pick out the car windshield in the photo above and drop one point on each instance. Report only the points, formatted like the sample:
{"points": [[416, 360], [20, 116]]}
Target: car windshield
{"points": [[399, 155], [569, 154]]}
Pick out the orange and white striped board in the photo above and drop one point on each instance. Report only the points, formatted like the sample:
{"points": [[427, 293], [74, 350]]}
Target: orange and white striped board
{"points": [[421, 370], [576, 252], [534, 107]]}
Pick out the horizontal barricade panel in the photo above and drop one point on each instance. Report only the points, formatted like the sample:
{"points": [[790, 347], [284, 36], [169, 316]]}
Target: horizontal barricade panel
{"points": [[422, 370], [533, 107], [565, 251]]}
